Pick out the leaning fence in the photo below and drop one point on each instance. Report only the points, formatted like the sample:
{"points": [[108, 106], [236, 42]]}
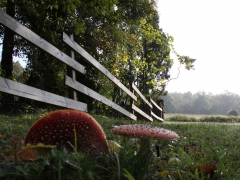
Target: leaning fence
{"points": [[22, 90]]}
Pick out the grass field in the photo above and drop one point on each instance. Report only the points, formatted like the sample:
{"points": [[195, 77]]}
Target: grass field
{"points": [[205, 150]]}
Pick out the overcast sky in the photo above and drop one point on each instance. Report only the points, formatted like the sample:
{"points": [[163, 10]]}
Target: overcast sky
{"points": [[209, 31]]}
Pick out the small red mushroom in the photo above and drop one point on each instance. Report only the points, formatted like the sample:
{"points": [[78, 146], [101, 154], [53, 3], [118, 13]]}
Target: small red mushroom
{"points": [[145, 133], [58, 128]]}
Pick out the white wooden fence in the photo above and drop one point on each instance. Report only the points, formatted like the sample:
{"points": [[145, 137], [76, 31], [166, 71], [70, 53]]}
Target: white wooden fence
{"points": [[22, 90]]}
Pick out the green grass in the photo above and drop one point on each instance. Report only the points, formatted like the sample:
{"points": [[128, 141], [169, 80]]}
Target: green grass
{"points": [[201, 143]]}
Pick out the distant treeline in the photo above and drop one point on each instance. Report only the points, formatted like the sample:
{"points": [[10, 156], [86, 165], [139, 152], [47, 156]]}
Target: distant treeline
{"points": [[201, 103]]}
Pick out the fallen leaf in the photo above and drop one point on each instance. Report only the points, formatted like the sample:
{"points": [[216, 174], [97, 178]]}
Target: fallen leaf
{"points": [[164, 173], [25, 155], [3, 136]]}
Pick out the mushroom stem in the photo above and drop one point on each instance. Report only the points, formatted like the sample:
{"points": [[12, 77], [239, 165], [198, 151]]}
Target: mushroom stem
{"points": [[144, 148]]}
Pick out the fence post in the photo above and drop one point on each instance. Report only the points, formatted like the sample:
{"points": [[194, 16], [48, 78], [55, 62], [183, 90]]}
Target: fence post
{"points": [[149, 109], [131, 100], [72, 94], [162, 104]]}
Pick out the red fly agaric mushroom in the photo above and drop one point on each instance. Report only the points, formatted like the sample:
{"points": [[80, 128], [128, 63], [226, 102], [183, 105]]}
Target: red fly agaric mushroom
{"points": [[145, 133], [61, 127]]}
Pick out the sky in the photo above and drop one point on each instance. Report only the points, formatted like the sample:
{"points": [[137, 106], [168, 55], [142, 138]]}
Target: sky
{"points": [[209, 31]]}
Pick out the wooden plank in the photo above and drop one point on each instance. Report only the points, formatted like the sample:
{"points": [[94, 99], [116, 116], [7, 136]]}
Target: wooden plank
{"points": [[141, 95], [96, 64], [155, 104], [71, 92], [135, 108], [157, 117], [18, 89], [26, 33], [85, 90]]}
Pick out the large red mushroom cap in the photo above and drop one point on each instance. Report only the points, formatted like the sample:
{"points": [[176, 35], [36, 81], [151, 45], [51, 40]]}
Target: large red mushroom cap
{"points": [[57, 128], [145, 132]]}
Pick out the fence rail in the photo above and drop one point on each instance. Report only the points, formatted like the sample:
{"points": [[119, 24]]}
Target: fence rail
{"points": [[18, 89], [96, 64], [22, 90]]}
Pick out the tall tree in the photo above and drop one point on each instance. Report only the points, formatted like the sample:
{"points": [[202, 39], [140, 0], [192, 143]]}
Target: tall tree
{"points": [[8, 44], [7, 51], [156, 54]]}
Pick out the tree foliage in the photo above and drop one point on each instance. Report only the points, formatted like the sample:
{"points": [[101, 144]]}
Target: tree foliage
{"points": [[17, 71]]}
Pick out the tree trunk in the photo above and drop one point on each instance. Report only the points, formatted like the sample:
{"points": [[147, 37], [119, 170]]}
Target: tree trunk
{"points": [[7, 53], [8, 44]]}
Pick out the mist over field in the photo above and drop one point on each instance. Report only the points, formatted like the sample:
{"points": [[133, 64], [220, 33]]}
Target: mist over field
{"points": [[201, 103]]}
